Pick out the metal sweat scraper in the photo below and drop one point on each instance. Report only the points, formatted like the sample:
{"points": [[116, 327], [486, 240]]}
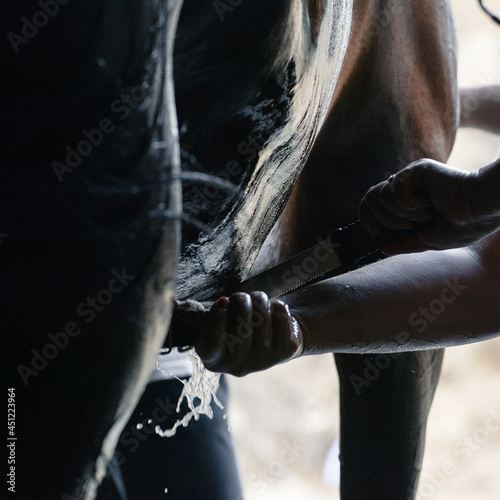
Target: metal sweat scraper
{"points": [[343, 249]]}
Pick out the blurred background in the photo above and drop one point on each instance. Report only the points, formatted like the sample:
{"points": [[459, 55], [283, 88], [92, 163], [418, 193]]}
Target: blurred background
{"points": [[285, 421]]}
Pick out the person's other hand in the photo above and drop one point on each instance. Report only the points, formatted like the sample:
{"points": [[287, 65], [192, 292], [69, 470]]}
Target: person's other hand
{"points": [[431, 198], [248, 332]]}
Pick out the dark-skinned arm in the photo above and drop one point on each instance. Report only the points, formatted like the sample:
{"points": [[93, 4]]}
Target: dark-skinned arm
{"points": [[407, 302], [480, 108]]}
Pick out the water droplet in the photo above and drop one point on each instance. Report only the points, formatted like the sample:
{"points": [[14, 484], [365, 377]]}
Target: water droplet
{"points": [[139, 426], [101, 62]]}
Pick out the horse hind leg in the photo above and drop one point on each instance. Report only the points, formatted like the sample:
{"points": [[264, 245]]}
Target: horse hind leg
{"points": [[384, 404]]}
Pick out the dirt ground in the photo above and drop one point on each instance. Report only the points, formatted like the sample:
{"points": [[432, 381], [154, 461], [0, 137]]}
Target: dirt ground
{"points": [[284, 421]]}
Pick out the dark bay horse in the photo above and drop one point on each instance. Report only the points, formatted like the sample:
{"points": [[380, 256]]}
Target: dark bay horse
{"points": [[90, 197], [395, 102], [90, 194]]}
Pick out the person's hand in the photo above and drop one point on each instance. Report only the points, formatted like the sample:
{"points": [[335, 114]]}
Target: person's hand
{"points": [[248, 332], [432, 199]]}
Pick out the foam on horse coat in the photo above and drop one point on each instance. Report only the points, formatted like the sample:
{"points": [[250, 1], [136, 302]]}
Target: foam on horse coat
{"points": [[252, 90]]}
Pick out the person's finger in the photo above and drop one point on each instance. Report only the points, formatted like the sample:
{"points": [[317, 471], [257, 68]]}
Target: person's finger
{"points": [[261, 320], [210, 344], [404, 204], [239, 332], [380, 203], [253, 337], [287, 335], [407, 188], [369, 222]]}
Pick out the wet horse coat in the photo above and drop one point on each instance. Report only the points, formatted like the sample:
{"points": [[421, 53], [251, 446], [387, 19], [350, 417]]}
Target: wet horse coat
{"points": [[252, 91], [90, 195], [395, 102]]}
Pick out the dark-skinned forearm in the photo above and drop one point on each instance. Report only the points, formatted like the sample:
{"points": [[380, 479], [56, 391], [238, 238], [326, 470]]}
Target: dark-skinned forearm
{"points": [[407, 302], [480, 108]]}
